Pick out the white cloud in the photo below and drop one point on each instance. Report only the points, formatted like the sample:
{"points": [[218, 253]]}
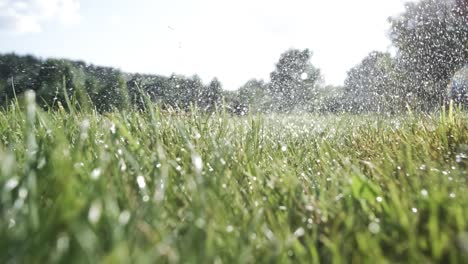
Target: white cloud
{"points": [[28, 16]]}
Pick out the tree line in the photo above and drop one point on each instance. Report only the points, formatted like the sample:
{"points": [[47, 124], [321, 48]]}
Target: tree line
{"points": [[430, 38]]}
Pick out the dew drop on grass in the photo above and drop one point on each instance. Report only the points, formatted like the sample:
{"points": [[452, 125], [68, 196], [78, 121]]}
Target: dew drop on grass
{"points": [[94, 212], [112, 128], [197, 162], [11, 183], [12, 223], [299, 232], [200, 223], [23, 193], [63, 242], [424, 192], [460, 157], [145, 198], [96, 173], [374, 228], [124, 217], [141, 182], [123, 166], [379, 199]]}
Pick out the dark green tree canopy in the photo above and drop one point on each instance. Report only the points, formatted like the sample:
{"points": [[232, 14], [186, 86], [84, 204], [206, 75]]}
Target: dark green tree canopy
{"points": [[370, 85], [431, 37], [293, 80]]}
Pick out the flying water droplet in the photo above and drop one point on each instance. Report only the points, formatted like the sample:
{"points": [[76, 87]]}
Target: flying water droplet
{"points": [[96, 173], [124, 217], [141, 182], [94, 213], [197, 162], [374, 228], [299, 232], [11, 183]]}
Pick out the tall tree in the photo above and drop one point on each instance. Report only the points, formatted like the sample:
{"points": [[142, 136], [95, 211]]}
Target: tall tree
{"points": [[371, 86], [294, 80], [432, 41], [255, 94], [211, 95]]}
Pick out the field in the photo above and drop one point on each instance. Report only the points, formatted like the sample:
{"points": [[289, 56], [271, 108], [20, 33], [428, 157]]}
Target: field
{"points": [[133, 187]]}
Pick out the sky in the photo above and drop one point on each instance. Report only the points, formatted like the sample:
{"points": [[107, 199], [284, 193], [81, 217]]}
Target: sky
{"points": [[232, 40]]}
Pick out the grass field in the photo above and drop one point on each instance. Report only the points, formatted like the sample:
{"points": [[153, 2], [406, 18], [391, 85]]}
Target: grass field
{"points": [[132, 187]]}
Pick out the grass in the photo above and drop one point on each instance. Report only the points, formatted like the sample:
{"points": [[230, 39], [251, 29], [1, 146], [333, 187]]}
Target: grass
{"points": [[131, 187]]}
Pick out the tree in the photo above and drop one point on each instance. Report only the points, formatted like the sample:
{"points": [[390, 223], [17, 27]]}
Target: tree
{"points": [[211, 95], [371, 85], [255, 94], [431, 38], [294, 80], [18, 71], [54, 76]]}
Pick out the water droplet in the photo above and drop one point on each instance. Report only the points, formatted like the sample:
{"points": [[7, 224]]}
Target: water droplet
{"points": [[112, 128], [200, 223], [414, 210], [11, 183], [94, 212], [299, 232], [424, 192], [12, 223], [145, 198], [96, 173], [197, 163], [459, 157], [284, 148], [374, 228], [379, 199], [63, 242], [124, 217], [141, 182], [23, 193]]}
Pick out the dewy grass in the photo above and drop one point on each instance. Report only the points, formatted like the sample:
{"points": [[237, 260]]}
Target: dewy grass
{"points": [[145, 187]]}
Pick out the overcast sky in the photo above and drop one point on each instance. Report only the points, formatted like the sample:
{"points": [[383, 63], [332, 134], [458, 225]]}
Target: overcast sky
{"points": [[233, 40]]}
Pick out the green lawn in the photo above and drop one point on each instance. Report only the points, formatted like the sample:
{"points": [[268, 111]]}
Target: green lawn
{"points": [[151, 187]]}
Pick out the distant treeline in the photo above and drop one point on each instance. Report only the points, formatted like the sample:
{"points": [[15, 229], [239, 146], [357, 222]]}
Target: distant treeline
{"points": [[430, 38], [104, 88]]}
